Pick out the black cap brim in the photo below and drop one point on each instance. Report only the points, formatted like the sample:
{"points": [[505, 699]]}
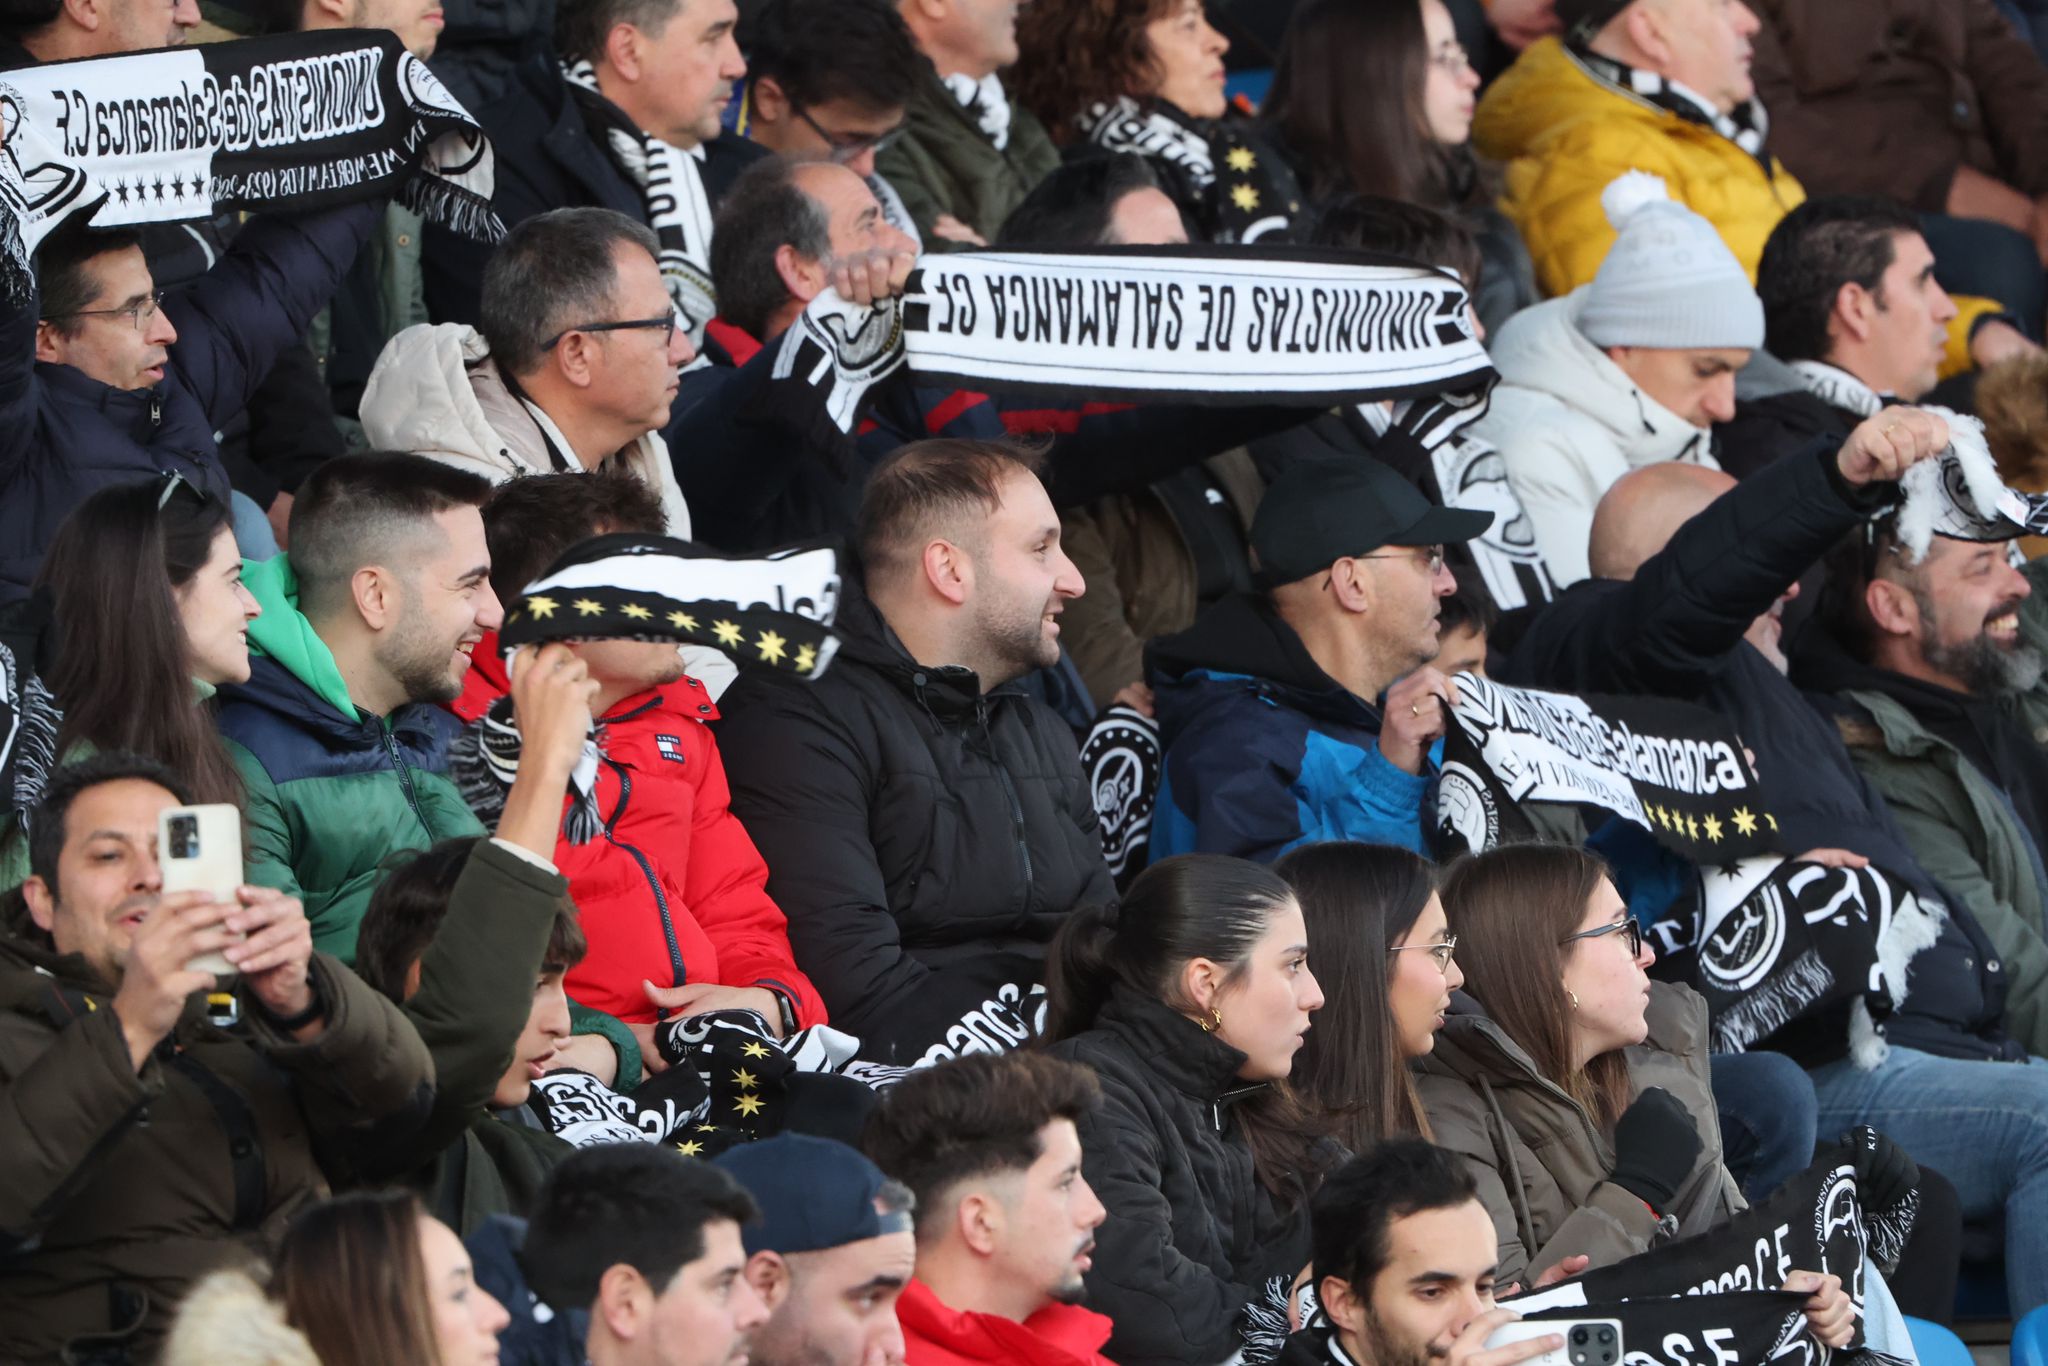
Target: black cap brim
{"points": [[1445, 526]]}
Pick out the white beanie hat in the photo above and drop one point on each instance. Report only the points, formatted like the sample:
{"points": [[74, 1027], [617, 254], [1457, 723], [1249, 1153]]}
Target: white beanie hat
{"points": [[1669, 281]]}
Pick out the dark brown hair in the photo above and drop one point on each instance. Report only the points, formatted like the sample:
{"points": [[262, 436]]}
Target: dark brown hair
{"points": [[530, 521], [1073, 54], [974, 1116], [351, 1278], [364, 509], [931, 489], [1357, 900], [1512, 908], [123, 672]]}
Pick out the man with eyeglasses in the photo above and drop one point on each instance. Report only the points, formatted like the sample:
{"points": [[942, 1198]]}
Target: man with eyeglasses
{"points": [[1269, 705]]}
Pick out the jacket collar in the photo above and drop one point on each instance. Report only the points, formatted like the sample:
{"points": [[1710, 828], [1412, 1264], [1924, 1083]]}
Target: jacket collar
{"points": [[1064, 1332], [131, 408], [1241, 636], [1747, 126], [1193, 1061], [1541, 349], [947, 691]]}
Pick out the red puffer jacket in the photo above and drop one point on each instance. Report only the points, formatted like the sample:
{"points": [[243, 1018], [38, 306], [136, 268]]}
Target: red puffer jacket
{"points": [[673, 890]]}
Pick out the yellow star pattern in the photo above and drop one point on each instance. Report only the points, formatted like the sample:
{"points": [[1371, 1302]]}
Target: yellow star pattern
{"points": [[682, 621], [771, 647], [588, 607], [1692, 828], [756, 1050], [728, 633], [1241, 159], [707, 1128], [748, 1105], [1713, 828], [1745, 824], [690, 1149], [744, 1080], [1245, 197], [541, 607], [1655, 813], [635, 611], [806, 658], [1773, 820]]}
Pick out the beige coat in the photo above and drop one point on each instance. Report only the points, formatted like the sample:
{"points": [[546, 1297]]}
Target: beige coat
{"points": [[1542, 1163]]}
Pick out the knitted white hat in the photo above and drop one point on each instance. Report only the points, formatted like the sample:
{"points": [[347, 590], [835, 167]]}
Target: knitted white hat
{"points": [[1669, 281]]}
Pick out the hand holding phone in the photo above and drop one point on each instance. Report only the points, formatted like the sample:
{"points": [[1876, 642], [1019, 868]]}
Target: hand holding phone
{"points": [[199, 849], [1587, 1342]]}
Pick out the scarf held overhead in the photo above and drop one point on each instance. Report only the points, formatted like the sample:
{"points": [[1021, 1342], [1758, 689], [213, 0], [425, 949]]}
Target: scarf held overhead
{"points": [[297, 121]]}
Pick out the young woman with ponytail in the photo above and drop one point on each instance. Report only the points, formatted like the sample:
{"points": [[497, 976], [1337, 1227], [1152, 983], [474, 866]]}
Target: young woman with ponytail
{"points": [[1191, 1003]]}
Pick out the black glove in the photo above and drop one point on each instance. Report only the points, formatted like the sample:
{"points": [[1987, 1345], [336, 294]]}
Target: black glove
{"points": [[1884, 1174], [1656, 1146]]}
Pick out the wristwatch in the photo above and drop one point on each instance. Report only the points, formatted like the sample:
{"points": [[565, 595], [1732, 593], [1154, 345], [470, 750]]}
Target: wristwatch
{"points": [[788, 1011]]}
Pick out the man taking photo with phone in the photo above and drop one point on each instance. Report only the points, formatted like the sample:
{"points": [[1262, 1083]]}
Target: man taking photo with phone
{"points": [[121, 1085]]}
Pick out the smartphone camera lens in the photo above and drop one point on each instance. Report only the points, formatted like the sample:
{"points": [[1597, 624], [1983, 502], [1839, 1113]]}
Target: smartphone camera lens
{"points": [[184, 837], [1581, 1336]]}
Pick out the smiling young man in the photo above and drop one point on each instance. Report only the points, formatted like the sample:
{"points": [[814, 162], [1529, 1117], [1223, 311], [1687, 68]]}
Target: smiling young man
{"points": [[367, 625]]}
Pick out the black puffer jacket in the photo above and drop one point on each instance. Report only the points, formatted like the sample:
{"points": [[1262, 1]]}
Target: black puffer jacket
{"points": [[1772, 426], [1183, 1262], [925, 839]]}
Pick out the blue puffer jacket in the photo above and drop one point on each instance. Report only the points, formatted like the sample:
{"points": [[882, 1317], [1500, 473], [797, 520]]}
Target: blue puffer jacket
{"points": [[64, 436], [1264, 750]]}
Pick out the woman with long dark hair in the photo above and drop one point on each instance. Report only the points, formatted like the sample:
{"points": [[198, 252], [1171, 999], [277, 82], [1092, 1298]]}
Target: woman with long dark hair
{"points": [[145, 588], [1383, 954], [1375, 97], [1146, 76], [1191, 1002]]}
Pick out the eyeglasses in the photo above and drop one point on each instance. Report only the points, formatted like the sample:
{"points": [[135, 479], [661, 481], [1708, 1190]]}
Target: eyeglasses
{"points": [[1451, 59], [1627, 928], [848, 146], [1441, 951], [1434, 558], [665, 324], [139, 314]]}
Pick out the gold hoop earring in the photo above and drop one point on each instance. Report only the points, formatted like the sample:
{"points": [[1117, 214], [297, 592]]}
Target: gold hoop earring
{"points": [[1213, 1023], [1574, 997]]}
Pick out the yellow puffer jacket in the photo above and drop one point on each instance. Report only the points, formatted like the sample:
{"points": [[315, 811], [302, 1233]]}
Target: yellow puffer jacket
{"points": [[1564, 134]]}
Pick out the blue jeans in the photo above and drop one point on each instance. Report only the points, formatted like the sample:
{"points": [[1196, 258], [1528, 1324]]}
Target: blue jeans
{"points": [[1767, 1119], [1983, 1125]]}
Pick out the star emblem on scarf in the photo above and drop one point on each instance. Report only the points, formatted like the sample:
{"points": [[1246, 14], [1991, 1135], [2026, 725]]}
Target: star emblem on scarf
{"points": [[690, 1148], [588, 607], [1745, 824], [748, 1105], [707, 1128], [1241, 159], [541, 607], [636, 612], [1245, 197], [744, 1079], [728, 633], [755, 1050], [682, 621], [1692, 828], [1713, 828], [771, 647], [121, 190], [806, 656]]}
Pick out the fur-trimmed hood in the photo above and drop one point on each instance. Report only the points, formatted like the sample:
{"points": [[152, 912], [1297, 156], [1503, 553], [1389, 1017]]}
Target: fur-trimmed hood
{"points": [[227, 1320]]}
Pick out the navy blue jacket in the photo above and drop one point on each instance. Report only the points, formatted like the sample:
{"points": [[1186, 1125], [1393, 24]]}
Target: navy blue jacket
{"points": [[1265, 751], [64, 436], [1676, 630]]}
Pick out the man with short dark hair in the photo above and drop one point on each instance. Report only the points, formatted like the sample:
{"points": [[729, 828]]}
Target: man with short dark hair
{"points": [[647, 1241], [367, 623], [832, 1252], [572, 367], [144, 1143], [926, 827], [1006, 1222], [1103, 200], [1405, 1256], [1852, 305], [625, 116], [1269, 705]]}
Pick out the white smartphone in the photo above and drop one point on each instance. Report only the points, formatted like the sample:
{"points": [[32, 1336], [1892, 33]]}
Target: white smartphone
{"points": [[199, 849], [1587, 1342]]}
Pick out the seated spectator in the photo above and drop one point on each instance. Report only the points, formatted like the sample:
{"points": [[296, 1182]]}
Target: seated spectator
{"points": [[827, 81], [1376, 99], [1465, 621], [1622, 1071], [647, 1242], [367, 624], [927, 829], [571, 368], [672, 895], [1191, 1002], [1269, 707], [361, 1278], [139, 652], [1937, 105], [1151, 559], [968, 154], [1851, 303], [1661, 86], [108, 381], [145, 1143], [830, 1254], [48, 31], [1145, 77], [624, 114], [1632, 370], [1005, 1220], [1406, 1266]]}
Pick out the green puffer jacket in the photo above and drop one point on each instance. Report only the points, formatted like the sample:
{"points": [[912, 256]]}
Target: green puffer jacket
{"points": [[332, 791], [943, 163]]}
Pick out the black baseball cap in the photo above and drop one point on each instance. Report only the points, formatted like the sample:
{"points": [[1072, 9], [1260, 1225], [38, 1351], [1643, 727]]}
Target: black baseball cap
{"points": [[1582, 19], [814, 1194], [1320, 510]]}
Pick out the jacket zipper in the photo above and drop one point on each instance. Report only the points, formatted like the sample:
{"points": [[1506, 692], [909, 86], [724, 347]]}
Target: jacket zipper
{"points": [[668, 924], [404, 776], [1016, 802]]}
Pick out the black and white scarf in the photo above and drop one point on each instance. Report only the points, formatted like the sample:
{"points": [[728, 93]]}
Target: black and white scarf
{"points": [[1236, 192], [1746, 127], [671, 183], [297, 121], [1838, 388], [29, 717], [985, 99]]}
